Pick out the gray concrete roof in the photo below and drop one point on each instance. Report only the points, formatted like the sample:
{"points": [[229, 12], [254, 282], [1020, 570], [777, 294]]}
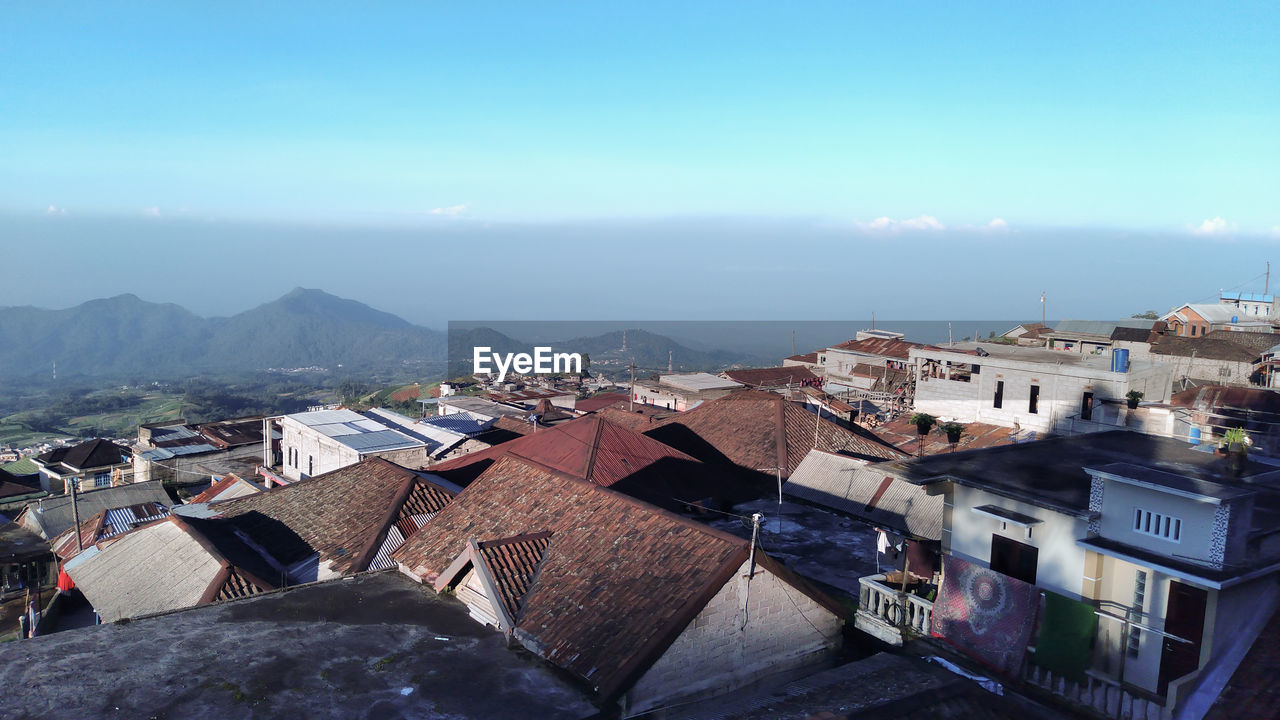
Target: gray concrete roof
{"points": [[851, 486], [373, 646], [1051, 473]]}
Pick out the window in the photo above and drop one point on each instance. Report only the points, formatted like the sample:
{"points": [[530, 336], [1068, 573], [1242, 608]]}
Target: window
{"points": [[1193, 330], [1033, 404], [311, 465], [1165, 527], [975, 369], [1015, 559], [101, 479], [1139, 602], [1086, 406], [999, 398]]}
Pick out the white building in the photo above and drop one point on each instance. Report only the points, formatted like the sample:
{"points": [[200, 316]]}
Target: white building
{"points": [[1031, 388], [683, 391], [317, 442]]}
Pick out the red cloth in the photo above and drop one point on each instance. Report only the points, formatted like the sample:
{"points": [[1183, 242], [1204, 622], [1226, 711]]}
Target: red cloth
{"points": [[985, 614], [64, 581]]}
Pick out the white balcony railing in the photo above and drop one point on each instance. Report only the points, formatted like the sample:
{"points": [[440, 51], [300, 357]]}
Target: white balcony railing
{"points": [[892, 608]]}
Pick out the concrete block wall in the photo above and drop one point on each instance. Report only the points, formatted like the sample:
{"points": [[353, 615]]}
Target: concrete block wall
{"points": [[748, 631]]}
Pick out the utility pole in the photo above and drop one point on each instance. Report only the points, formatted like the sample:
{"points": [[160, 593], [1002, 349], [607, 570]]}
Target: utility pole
{"points": [[793, 342], [75, 513], [1267, 286], [631, 402], [1042, 322]]}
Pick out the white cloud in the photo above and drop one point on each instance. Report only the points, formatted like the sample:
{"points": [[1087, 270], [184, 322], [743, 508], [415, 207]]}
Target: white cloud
{"points": [[998, 224], [1214, 226], [55, 210], [151, 212], [883, 224], [1275, 231], [451, 211]]}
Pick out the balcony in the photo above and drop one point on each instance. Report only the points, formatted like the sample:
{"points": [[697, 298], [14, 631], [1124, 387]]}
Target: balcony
{"points": [[889, 614]]}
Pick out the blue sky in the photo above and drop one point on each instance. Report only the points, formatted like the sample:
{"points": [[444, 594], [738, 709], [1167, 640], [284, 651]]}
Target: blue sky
{"points": [[877, 123]]}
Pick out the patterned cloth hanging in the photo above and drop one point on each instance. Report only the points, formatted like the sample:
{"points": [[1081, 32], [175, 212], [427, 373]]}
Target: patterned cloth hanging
{"points": [[985, 614]]}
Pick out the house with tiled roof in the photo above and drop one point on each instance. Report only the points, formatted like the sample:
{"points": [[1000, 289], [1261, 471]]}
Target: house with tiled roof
{"points": [[763, 432], [642, 606], [593, 449], [91, 464], [343, 522]]}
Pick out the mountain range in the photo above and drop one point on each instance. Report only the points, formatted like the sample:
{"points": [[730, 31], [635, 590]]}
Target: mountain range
{"points": [[125, 337]]}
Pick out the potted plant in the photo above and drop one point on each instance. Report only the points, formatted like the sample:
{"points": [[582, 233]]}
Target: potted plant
{"points": [[1237, 444], [924, 422], [953, 430], [1133, 397]]}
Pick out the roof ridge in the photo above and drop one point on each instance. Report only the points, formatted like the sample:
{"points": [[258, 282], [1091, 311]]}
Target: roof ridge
{"points": [[680, 519]]}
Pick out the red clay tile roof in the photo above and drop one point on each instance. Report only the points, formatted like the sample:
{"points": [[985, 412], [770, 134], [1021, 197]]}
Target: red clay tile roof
{"points": [[806, 358], [618, 580], [593, 449], [754, 429], [598, 402], [880, 347], [343, 515], [640, 418], [772, 377], [512, 563]]}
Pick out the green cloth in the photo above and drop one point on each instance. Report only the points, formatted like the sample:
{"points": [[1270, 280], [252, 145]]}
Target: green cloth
{"points": [[1067, 630]]}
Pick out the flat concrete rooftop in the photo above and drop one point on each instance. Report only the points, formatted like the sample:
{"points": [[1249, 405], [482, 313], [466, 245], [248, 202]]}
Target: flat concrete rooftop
{"points": [[372, 646]]}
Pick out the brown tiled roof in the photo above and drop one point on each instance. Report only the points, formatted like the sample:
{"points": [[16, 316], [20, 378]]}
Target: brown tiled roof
{"points": [[771, 377], [1212, 348], [342, 515], [512, 563], [618, 580], [806, 358], [640, 418], [880, 347], [754, 429], [86, 455], [1261, 342], [594, 449], [598, 402], [1211, 397]]}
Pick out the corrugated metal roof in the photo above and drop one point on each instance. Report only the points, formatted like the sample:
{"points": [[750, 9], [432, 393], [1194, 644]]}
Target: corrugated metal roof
{"points": [[326, 417], [697, 382], [378, 441], [1100, 327], [866, 491], [167, 453]]}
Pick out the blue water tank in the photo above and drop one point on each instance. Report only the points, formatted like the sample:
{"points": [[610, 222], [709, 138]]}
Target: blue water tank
{"points": [[1195, 436], [1120, 360], [1235, 319]]}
